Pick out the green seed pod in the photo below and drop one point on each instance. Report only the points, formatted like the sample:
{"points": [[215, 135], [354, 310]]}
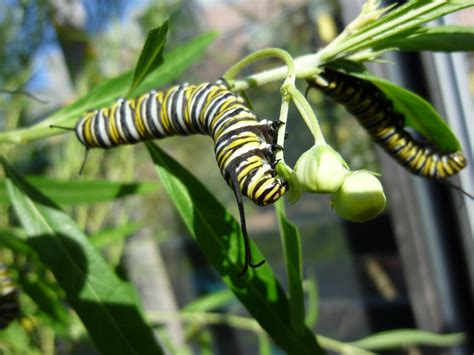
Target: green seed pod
{"points": [[320, 169], [360, 197]]}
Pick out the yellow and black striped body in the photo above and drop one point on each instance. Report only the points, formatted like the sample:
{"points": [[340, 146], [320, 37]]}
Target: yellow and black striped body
{"points": [[9, 306], [244, 146], [369, 105]]}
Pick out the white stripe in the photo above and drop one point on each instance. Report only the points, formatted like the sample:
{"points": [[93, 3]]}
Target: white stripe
{"points": [[80, 131], [129, 121], [118, 120], [102, 130], [180, 109]]}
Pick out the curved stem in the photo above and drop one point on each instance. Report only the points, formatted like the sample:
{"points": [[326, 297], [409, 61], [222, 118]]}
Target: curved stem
{"points": [[290, 77], [259, 55], [307, 114], [305, 66]]}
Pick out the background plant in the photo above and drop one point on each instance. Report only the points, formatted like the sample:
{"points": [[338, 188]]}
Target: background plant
{"points": [[283, 318]]}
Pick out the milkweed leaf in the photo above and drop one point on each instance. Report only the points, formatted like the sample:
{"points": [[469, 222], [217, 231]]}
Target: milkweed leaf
{"points": [[151, 56], [106, 305], [218, 235]]}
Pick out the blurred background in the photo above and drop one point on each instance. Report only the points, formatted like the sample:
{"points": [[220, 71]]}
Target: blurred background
{"points": [[412, 267]]}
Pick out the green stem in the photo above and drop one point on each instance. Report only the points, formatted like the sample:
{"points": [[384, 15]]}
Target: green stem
{"points": [[340, 348], [259, 55], [157, 318], [305, 66], [307, 114], [400, 337]]}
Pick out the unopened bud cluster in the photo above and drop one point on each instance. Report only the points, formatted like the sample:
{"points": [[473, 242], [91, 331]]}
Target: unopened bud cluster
{"points": [[356, 196]]}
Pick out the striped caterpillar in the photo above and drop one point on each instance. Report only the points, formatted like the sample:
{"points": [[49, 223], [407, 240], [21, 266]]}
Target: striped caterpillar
{"points": [[244, 146]]}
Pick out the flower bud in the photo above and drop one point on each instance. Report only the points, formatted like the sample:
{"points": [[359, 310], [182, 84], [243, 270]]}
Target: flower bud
{"points": [[320, 169], [360, 197]]}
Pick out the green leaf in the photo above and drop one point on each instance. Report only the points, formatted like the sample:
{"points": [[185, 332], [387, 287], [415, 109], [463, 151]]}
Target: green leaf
{"points": [[15, 339], [402, 337], [176, 61], [47, 301], [404, 20], [67, 192], [291, 241], [151, 56], [105, 304], [11, 239], [107, 236], [439, 38], [419, 113], [219, 237]]}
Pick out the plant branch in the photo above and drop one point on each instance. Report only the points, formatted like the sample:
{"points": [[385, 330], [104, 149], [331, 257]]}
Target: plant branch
{"points": [[157, 318]]}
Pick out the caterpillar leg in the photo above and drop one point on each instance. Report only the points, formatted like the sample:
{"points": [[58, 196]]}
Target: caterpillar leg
{"points": [[248, 253]]}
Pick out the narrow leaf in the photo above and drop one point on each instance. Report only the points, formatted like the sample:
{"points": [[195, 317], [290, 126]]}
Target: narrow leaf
{"points": [[420, 115], [105, 304], [67, 192], [292, 248], [218, 235], [151, 56], [402, 20], [10, 239], [47, 301], [439, 38]]}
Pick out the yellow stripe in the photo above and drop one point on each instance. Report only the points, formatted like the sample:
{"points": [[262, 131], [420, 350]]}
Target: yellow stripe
{"points": [[138, 117], [165, 115], [113, 131], [87, 130]]}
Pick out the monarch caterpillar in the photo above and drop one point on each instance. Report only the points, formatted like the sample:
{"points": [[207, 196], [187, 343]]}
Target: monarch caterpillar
{"points": [[9, 307], [244, 147], [376, 114]]}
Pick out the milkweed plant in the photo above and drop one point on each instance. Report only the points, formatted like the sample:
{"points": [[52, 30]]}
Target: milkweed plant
{"points": [[108, 306]]}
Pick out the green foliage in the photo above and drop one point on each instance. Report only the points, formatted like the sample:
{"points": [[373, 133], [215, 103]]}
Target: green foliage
{"points": [[434, 38], [83, 192], [175, 62], [291, 243], [218, 235], [151, 56], [106, 305], [52, 242]]}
